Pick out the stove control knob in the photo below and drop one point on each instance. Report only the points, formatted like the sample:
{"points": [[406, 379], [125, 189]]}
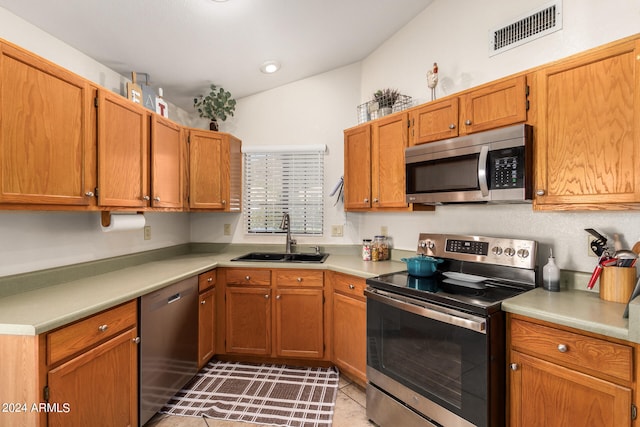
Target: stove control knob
{"points": [[427, 244], [523, 253], [509, 252], [496, 250]]}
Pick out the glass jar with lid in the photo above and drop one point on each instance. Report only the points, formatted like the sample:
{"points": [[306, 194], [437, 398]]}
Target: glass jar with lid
{"points": [[380, 249], [366, 250]]}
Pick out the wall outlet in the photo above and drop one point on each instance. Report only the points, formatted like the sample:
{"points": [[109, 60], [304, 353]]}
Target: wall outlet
{"points": [[384, 231], [227, 229], [590, 239], [147, 232], [336, 231]]}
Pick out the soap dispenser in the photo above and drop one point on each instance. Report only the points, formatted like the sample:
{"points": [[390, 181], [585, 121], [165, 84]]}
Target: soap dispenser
{"points": [[551, 274]]}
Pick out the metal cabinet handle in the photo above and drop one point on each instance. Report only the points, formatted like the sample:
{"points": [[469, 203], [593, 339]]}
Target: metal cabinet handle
{"points": [[540, 192], [452, 126], [352, 287], [210, 279], [467, 122], [266, 296], [146, 198], [224, 202], [366, 200], [89, 194], [562, 348], [247, 278], [136, 340], [157, 199], [278, 296], [203, 302], [514, 366], [299, 279], [103, 328], [375, 200]]}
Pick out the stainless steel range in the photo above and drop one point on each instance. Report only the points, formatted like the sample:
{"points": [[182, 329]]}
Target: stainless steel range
{"points": [[436, 345]]}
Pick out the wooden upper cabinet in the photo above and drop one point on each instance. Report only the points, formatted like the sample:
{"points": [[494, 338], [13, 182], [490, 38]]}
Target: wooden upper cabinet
{"points": [[390, 138], [123, 153], [214, 171], [588, 131], [434, 121], [166, 163], [357, 167], [47, 148], [494, 105]]}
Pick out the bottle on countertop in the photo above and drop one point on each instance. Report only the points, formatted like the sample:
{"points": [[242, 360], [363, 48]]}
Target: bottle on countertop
{"points": [[551, 274]]}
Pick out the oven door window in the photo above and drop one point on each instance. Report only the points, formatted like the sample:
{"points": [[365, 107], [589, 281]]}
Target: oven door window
{"points": [[443, 175], [445, 363]]}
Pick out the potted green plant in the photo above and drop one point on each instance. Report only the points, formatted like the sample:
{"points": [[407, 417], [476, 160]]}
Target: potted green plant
{"points": [[217, 105], [385, 99]]}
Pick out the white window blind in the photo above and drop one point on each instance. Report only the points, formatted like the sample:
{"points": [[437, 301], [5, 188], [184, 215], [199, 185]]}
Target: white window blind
{"points": [[284, 179]]}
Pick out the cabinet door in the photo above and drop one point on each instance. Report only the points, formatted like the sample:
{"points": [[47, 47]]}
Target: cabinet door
{"points": [[99, 386], [588, 143], [350, 335], [206, 326], [46, 143], [208, 170], [500, 104], [166, 163], [248, 320], [357, 168], [299, 323], [123, 153], [434, 121], [548, 395], [390, 138]]}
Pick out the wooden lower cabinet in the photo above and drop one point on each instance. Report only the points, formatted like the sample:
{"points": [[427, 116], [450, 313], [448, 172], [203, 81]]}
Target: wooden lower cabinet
{"points": [[98, 387], [349, 320], [560, 377], [275, 313]]}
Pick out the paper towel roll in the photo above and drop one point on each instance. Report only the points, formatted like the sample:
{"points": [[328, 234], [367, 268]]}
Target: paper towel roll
{"points": [[125, 222]]}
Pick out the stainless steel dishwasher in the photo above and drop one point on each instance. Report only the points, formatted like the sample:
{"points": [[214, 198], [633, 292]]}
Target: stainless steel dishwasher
{"points": [[168, 344]]}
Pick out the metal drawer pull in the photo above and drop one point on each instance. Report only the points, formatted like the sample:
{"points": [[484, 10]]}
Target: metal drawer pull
{"points": [[562, 348], [247, 278], [299, 279], [352, 287], [103, 328], [514, 366], [210, 279], [203, 302], [136, 340]]}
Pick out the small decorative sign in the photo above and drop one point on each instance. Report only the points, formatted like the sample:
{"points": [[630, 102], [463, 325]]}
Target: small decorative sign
{"points": [[134, 91], [162, 107]]}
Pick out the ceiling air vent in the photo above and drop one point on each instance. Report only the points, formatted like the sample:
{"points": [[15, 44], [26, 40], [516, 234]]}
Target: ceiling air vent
{"points": [[523, 29]]}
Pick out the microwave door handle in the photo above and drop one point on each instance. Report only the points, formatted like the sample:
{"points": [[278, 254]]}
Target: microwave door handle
{"points": [[482, 170]]}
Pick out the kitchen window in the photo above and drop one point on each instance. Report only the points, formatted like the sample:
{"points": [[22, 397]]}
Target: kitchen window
{"points": [[279, 179]]}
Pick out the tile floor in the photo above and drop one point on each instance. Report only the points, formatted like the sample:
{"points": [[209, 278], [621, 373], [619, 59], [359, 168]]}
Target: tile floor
{"points": [[349, 412]]}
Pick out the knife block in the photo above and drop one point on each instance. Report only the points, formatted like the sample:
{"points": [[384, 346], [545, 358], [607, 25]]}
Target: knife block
{"points": [[617, 283]]}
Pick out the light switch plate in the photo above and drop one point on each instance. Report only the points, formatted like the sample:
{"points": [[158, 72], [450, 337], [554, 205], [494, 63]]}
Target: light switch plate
{"points": [[147, 232], [227, 229], [336, 231]]}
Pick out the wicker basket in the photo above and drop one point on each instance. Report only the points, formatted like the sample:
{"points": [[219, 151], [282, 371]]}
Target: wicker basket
{"points": [[371, 110]]}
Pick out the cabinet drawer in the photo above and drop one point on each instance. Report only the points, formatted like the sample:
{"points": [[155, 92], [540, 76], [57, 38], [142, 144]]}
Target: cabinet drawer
{"points": [[206, 280], [591, 355], [305, 278], [84, 334], [245, 276], [349, 285]]}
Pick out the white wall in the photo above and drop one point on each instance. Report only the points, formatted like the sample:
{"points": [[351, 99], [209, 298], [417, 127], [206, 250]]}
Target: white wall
{"points": [[453, 33], [35, 240]]}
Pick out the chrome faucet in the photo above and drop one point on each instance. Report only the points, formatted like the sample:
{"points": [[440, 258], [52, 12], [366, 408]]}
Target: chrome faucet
{"points": [[284, 225]]}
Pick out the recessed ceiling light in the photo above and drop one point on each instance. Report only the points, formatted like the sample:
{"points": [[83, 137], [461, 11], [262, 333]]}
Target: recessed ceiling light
{"points": [[270, 67]]}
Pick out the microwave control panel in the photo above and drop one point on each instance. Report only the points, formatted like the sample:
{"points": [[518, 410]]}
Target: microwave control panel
{"points": [[506, 168]]}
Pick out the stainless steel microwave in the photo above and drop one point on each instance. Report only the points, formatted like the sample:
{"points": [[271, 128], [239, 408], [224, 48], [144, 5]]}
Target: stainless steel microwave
{"points": [[495, 166]]}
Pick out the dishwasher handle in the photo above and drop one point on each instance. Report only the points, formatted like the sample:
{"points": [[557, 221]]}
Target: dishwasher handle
{"points": [[174, 298]]}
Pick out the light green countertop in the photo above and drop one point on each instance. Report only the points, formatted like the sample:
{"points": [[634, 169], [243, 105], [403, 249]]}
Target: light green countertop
{"points": [[581, 309], [44, 308]]}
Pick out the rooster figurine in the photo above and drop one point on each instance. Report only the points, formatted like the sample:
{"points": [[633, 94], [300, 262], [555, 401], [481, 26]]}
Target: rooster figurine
{"points": [[432, 80]]}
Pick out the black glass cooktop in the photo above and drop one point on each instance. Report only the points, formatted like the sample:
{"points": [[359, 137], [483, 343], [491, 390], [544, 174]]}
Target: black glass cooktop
{"points": [[480, 297]]}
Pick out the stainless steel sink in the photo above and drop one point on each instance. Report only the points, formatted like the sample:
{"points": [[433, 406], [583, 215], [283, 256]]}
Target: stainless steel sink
{"points": [[280, 257]]}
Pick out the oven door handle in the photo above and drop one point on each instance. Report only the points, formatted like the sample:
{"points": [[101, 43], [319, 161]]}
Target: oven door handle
{"points": [[424, 309], [482, 170]]}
